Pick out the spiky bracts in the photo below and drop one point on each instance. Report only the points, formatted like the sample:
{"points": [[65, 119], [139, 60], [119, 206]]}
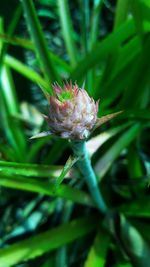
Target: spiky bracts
{"points": [[72, 112]]}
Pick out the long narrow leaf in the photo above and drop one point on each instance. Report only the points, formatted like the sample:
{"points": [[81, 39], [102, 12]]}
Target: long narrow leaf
{"points": [[44, 242], [101, 50], [27, 72], [67, 30], [39, 42], [27, 170], [46, 188], [108, 158], [98, 252]]}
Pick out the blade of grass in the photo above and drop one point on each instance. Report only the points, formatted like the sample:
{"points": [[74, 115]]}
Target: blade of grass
{"points": [[27, 170], [127, 53], [97, 141], [116, 64], [103, 165], [11, 29], [35, 148], [46, 188], [67, 30], [120, 77], [141, 13], [11, 106], [143, 227], [134, 244], [93, 36], [39, 42], [61, 65], [85, 20], [27, 72], [94, 22], [14, 40], [121, 13], [70, 162], [102, 49], [48, 241], [7, 129], [134, 166], [98, 252], [137, 87]]}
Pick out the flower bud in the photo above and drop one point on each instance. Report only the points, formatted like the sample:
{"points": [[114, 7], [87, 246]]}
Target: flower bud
{"points": [[72, 112]]}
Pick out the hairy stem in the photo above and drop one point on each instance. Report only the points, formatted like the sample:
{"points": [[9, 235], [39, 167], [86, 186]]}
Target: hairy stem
{"points": [[85, 167]]}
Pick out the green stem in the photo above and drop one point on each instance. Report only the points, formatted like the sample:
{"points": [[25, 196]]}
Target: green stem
{"points": [[85, 167]]}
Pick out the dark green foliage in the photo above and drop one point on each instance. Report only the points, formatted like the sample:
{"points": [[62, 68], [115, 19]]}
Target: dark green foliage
{"points": [[47, 215]]}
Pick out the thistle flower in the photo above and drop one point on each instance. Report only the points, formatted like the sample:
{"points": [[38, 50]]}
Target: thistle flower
{"points": [[72, 112]]}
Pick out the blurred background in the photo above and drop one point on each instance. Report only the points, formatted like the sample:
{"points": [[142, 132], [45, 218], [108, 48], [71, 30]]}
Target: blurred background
{"points": [[105, 45]]}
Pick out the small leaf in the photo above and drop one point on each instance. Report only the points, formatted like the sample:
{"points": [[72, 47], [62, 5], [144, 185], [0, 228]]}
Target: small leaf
{"points": [[106, 118], [42, 134], [70, 162]]}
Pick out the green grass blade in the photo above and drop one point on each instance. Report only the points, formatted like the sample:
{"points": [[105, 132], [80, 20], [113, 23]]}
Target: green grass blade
{"points": [[67, 30], [119, 71], [39, 42], [141, 13], [11, 107], [101, 50], [7, 129], [85, 20], [97, 141], [103, 165], [35, 148], [44, 242], [27, 72], [138, 87], [121, 13], [61, 66], [46, 188], [127, 53], [27, 170], [135, 246], [70, 162], [94, 21], [98, 252], [11, 29], [14, 40]]}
